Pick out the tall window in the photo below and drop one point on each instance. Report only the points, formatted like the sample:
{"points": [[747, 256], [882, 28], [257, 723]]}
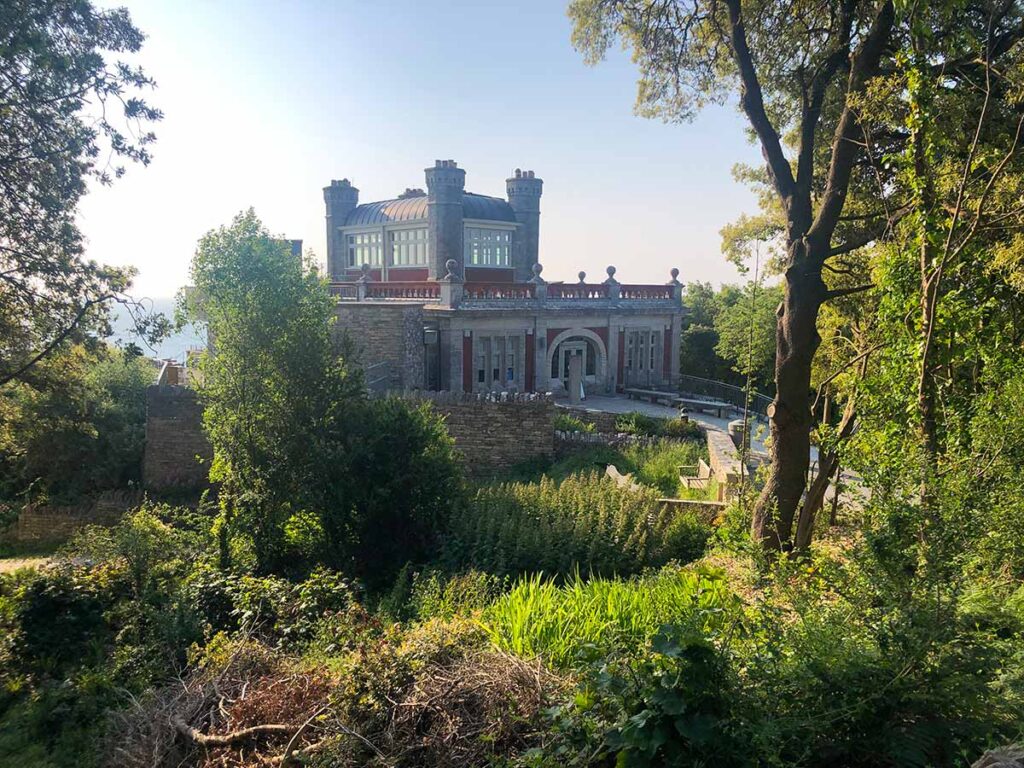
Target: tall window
{"points": [[487, 247], [409, 247], [364, 248]]}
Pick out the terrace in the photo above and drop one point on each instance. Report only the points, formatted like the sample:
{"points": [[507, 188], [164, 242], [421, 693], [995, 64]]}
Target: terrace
{"points": [[453, 291]]}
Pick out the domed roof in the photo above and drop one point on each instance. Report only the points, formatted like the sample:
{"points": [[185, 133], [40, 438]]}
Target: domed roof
{"points": [[415, 209]]}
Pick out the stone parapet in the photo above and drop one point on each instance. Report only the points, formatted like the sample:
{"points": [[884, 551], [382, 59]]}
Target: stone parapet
{"points": [[494, 431]]}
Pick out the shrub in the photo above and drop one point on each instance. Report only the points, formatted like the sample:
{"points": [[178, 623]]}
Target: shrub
{"points": [[682, 429], [392, 506], [636, 423], [586, 523], [437, 596], [567, 422]]}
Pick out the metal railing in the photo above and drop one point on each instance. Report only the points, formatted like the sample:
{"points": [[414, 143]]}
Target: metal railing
{"points": [[727, 393]]}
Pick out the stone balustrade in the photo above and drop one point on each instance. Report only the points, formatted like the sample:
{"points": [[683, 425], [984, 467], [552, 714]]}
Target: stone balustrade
{"points": [[453, 291]]}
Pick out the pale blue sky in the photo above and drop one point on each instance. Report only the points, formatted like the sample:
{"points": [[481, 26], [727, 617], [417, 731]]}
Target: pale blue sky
{"points": [[266, 102]]}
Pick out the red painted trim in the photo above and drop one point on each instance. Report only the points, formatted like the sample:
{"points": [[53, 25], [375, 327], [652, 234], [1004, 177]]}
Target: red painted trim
{"points": [[530, 385], [407, 274], [602, 334], [489, 275], [467, 363]]}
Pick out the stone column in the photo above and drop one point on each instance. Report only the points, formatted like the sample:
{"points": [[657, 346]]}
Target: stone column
{"points": [[340, 199], [524, 190], [673, 372], [445, 185], [575, 378], [612, 371]]}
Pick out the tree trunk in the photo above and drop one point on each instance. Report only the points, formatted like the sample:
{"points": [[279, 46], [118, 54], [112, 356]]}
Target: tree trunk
{"points": [[828, 462], [796, 341]]}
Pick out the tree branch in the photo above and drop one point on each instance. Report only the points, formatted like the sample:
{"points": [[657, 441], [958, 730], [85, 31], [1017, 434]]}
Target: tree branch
{"points": [[7, 377], [835, 293], [752, 102], [844, 147], [819, 85]]}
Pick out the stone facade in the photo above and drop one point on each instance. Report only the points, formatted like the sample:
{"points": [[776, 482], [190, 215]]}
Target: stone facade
{"points": [[177, 455], [490, 322], [388, 334], [495, 432], [54, 524]]}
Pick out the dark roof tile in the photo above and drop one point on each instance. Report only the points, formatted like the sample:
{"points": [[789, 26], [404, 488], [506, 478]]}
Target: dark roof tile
{"points": [[415, 209]]}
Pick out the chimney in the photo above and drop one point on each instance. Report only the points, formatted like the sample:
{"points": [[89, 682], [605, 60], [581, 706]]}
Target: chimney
{"points": [[340, 198], [524, 191], [445, 185]]}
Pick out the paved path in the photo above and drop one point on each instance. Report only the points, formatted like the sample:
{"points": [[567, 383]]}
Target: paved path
{"points": [[625, 405], [854, 495]]}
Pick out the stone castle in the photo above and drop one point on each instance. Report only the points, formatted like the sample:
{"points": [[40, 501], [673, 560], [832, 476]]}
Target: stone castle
{"points": [[443, 290]]}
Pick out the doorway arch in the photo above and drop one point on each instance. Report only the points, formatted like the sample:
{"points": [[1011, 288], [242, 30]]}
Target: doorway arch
{"points": [[578, 341]]}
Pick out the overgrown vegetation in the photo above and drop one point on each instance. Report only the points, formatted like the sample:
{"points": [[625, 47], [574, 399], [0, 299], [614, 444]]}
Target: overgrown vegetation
{"points": [[75, 428], [585, 523], [348, 600]]}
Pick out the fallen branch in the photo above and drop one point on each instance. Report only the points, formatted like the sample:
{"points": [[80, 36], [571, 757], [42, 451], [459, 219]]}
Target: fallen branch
{"points": [[226, 739]]}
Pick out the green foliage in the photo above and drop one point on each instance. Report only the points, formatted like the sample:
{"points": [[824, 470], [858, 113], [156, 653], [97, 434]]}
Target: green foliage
{"points": [[581, 621], [584, 524], [70, 112], [392, 504], [566, 422], [746, 334], [657, 465], [311, 471], [276, 390], [77, 429], [637, 423], [433, 594]]}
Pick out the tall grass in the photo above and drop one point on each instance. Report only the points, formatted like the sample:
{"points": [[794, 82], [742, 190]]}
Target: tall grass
{"points": [[658, 465], [585, 523], [583, 620]]}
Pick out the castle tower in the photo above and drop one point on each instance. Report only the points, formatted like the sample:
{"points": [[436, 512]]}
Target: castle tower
{"points": [[524, 191], [445, 185], [340, 198]]}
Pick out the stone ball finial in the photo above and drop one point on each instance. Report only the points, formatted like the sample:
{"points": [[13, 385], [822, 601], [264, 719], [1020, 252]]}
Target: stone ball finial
{"points": [[537, 269], [365, 268], [451, 265], [611, 272], [582, 276], [674, 272]]}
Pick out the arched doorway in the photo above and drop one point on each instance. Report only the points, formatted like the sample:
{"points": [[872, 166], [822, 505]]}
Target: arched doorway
{"points": [[583, 343]]}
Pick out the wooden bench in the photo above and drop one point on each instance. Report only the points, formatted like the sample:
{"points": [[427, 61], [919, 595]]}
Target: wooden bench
{"points": [[702, 405], [651, 394]]}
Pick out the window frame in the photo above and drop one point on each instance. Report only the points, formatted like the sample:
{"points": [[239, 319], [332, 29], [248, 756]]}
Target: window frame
{"points": [[401, 239], [487, 244]]}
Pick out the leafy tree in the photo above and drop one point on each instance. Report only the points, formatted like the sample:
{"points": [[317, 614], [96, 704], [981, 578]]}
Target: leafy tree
{"points": [[746, 337], [393, 502], [67, 115], [274, 387], [310, 469], [802, 72], [77, 428]]}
